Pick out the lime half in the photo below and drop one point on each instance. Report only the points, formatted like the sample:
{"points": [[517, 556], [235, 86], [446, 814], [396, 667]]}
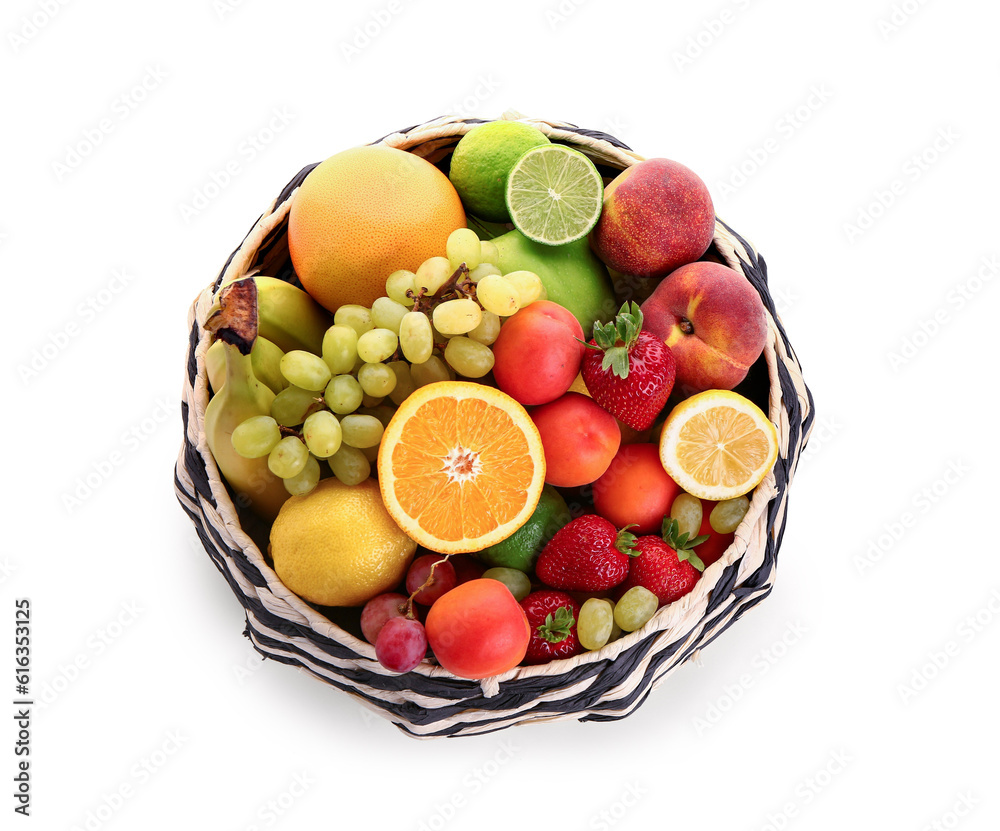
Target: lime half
{"points": [[554, 194]]}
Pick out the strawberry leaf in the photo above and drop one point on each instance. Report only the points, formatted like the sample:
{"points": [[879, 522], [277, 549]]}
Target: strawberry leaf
{"points": [[673, 537], [617, 338], [691, 557], [559, 626], [625, 541]]}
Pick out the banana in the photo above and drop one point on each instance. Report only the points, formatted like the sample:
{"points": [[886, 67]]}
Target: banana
{"points": [[288, 316], [240, 396], [265, 357]]}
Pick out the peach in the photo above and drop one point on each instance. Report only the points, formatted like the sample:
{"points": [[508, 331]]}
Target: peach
{"points": [[579, 437], [714, 322], [657, 215]]}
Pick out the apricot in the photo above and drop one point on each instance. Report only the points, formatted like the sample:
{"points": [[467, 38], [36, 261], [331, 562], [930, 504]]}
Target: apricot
{"points": [[478, 629], [657, 215], [635, 489], [579, 437], [714, 322], [538, 353]]}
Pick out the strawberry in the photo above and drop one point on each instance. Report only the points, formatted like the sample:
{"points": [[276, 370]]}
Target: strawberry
{"points": [[628, 371], [588, 554], [665, 565], [552, 616]]}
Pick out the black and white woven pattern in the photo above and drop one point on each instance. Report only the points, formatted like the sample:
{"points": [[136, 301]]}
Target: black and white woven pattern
{"points": [[594, 686]]}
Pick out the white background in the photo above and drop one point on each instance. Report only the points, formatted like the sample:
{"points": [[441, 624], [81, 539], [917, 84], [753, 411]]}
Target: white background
{"points": [[861, 694]]}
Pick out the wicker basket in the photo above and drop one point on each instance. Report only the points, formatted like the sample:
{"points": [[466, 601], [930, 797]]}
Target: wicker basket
{"points": [[595, 686]]}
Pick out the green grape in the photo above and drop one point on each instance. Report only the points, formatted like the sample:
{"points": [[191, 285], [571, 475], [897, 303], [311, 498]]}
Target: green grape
{"points": [[463, 247], [340, 348], [439, 336], [488, 329], [322, 434], [288, 457], [468, 357], [483, 270], [343, 394], [349, 465], [387, 314], [727, 515], [489, 252], [456, 317], [376, 345], [305, 480], [361, 430], [404, 382], [357, 317], [528, 286], [371, 400], [616, 630], [517, 581], [432, 274], [497, 295], [431, 370], [293, 404], [383, 412], [635, 608], [256, 437], [370, 453], [687, 510], [398, 284], [376, 380], [595, 623], [416, 337], [305, 370]]}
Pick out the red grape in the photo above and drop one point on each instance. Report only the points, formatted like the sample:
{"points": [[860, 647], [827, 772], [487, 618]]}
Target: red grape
{"points": [[378, 610], [401, 644], [444, 580]]}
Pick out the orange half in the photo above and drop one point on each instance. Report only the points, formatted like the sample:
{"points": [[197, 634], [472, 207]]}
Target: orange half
{"points": [[461, 466]]}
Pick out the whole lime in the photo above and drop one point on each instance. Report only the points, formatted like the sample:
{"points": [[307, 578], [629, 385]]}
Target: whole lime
{"points": [[482, 160], [521, 549], [572, 275]]}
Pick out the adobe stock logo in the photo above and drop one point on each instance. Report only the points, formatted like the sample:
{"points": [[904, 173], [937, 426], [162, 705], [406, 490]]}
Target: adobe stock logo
{"points": [[364, 34], [959, 297], [913, 169], [32, 25]]}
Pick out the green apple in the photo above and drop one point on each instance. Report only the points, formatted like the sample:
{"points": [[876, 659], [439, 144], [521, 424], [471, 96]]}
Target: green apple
{"points": [[572, 275]]}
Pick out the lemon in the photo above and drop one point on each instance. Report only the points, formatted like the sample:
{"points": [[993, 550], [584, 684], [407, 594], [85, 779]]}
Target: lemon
{"points": [[338, 546], [718, 445], [483, 159]]}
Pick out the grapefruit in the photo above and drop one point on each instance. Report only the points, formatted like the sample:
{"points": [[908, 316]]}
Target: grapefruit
{"points": [[363, 214]]}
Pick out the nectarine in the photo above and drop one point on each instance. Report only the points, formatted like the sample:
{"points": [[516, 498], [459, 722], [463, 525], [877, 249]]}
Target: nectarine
{"points": [[657, 215]]}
